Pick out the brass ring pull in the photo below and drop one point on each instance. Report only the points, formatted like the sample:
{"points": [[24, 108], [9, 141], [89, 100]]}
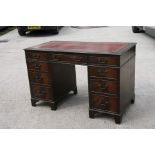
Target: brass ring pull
{"points": [[80, 59]]}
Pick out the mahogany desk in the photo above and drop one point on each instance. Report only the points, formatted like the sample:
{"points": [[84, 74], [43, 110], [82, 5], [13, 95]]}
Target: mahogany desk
{"points": [[111, 74]]}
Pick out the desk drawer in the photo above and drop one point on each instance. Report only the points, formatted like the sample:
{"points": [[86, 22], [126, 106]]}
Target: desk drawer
{"points": [[41, 92], [39, 77], [69, 58], [106, 72], [104, 60], [103, 86], [39, 66], [40, 56], [105, 103]]}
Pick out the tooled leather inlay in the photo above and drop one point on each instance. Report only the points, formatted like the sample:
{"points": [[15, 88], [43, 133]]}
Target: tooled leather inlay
{"points": [[83, 46]]}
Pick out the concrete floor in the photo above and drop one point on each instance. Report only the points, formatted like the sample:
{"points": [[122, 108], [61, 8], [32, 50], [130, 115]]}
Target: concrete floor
{"points": [[15, 106]]}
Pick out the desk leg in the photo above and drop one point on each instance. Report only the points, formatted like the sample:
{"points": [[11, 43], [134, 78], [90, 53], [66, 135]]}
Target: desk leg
{"points": [[118, 119], [133, 100], [75, 91], [91, 114], [54, 107], [33, 102]]}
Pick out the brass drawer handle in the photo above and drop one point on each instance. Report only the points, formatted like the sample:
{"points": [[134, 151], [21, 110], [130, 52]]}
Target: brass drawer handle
{"points": [[49, 56], [103, 60], [80, 59], [104, 86], [72, 57], [103, 71], [37, 66], [57, 57], [104, 103], [36, 56], [75, 57], [38, 77]]}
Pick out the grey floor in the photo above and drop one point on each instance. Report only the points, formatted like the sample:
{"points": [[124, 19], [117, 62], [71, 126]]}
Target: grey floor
{"points": [[15, 107]]}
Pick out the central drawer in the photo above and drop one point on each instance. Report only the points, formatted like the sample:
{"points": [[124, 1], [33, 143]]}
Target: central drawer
{"points": [[69, 58], [41, 92], [39, 77], [103, 102], [104, 86]]}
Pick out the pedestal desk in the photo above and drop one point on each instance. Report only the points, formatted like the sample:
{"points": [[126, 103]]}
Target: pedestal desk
{"points": [[111, 74]]}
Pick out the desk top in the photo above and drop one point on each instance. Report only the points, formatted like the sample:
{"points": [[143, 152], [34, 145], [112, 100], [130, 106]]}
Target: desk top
{"points": [[115, 48]]}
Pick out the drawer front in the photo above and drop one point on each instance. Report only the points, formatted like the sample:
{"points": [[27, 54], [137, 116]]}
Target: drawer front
{"points": [[104, 60], [33, 65], [40, 56], [104, 103], [69, 58], [106, 72], [41, 92], [38, 77], [103, 86]]}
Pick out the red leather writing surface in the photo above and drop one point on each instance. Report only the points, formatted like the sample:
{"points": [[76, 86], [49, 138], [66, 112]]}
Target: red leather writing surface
{"points": [[83, 46]]}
